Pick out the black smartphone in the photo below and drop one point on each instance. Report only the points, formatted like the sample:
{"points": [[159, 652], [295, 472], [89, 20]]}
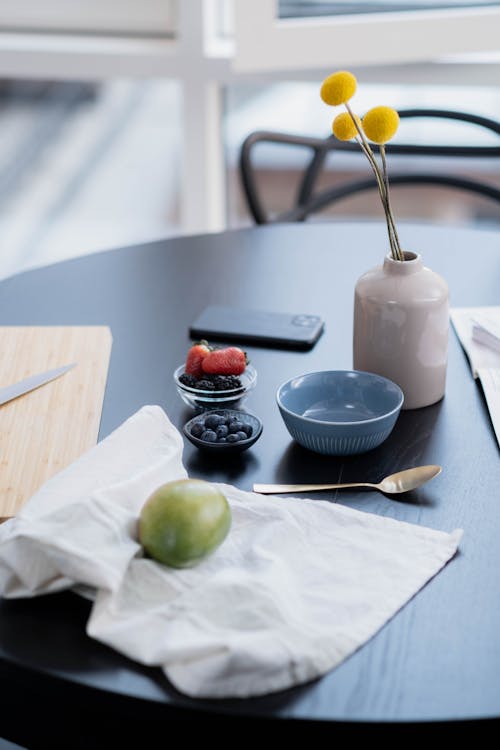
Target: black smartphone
{"points": [[257, 327]]}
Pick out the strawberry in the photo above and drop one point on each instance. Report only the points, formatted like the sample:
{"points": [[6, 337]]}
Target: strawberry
{"points": [[228, 361], [195, 357]]}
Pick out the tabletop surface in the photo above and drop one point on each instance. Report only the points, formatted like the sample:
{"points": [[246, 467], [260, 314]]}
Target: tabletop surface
{"points": [[439, 657]]}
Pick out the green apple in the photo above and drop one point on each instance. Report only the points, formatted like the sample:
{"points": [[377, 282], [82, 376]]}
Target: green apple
{"points": [[184, 521]]}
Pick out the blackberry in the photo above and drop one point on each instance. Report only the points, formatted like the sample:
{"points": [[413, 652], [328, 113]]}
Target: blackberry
{"points": [[205, 385], [225, 382], [188, 380]]}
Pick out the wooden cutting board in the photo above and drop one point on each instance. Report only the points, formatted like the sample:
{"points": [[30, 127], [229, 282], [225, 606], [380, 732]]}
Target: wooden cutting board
{"points": [[45, 430]]}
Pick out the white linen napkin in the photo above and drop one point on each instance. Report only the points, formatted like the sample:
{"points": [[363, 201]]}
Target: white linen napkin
{"points": [[296, 587]]}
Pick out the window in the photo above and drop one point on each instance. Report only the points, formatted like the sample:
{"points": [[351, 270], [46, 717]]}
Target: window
{"points": [[308, 8], [291, 35]]}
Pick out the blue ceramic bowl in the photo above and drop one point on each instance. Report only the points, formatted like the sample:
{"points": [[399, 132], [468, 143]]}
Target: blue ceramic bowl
{"points": [[339, 412]]}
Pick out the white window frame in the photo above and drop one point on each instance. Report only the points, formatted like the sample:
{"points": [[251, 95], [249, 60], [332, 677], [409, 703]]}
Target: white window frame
{"points": [[135, 17], [361, 39]]}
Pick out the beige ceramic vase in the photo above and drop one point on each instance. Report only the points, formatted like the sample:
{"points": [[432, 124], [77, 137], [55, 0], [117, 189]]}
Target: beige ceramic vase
{"points": [[401, 325]]}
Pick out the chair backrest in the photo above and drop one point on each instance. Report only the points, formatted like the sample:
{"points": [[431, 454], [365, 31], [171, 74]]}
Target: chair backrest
{"points": [[308, 202]]}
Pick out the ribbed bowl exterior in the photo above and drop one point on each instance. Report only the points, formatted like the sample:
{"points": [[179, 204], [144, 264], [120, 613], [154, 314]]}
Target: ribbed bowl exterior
{"points": [[338, 446], [339, 440]]}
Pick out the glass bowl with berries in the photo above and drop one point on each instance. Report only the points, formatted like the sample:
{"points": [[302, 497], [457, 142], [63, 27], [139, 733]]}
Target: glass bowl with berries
{"points": [[214, 376]]}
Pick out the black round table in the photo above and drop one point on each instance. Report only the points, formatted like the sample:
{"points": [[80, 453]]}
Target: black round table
{"points": [[438, 659]]}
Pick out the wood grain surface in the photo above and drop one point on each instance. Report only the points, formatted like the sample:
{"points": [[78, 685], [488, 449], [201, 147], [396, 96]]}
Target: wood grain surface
{"points": [[45, 430], [438, 659]]}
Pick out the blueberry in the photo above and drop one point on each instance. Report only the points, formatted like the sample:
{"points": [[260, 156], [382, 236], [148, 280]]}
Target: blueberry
{"points": [[241, 435], [222, 431], [235, 426], [222, 440], [233, 438], [213, 421], [209, 436], [198, 429], [247, 429]]}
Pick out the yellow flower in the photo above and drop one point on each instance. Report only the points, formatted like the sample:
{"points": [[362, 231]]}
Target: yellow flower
{"points": [[338, 87], [380, 124], [344, 128]]}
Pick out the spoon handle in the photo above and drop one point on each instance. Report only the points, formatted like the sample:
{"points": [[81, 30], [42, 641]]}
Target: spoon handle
{"points": [[276, 489]]}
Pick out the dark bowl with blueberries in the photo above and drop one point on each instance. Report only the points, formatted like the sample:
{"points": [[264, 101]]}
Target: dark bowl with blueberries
{"points": [[223, 430]]}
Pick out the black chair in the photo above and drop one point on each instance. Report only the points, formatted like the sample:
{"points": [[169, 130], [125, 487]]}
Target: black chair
{"points": [[307, 201]]}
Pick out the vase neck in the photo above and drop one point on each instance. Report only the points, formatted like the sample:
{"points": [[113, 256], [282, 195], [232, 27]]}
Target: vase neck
{"points": [[411, 264]]}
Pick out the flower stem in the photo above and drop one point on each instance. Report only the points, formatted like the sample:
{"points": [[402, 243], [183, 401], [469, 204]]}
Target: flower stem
{"points": [[388, 202], [383, 186]]}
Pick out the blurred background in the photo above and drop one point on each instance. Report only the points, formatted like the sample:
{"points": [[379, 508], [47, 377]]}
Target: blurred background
{"points": [[121, 121]]}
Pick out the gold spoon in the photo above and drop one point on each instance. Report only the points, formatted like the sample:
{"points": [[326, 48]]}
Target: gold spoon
{"points": [[402, 481]]}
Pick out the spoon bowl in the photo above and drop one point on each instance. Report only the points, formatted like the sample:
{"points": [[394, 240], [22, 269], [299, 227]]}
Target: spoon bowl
{"points": [[409, 479], [394, 484]]}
